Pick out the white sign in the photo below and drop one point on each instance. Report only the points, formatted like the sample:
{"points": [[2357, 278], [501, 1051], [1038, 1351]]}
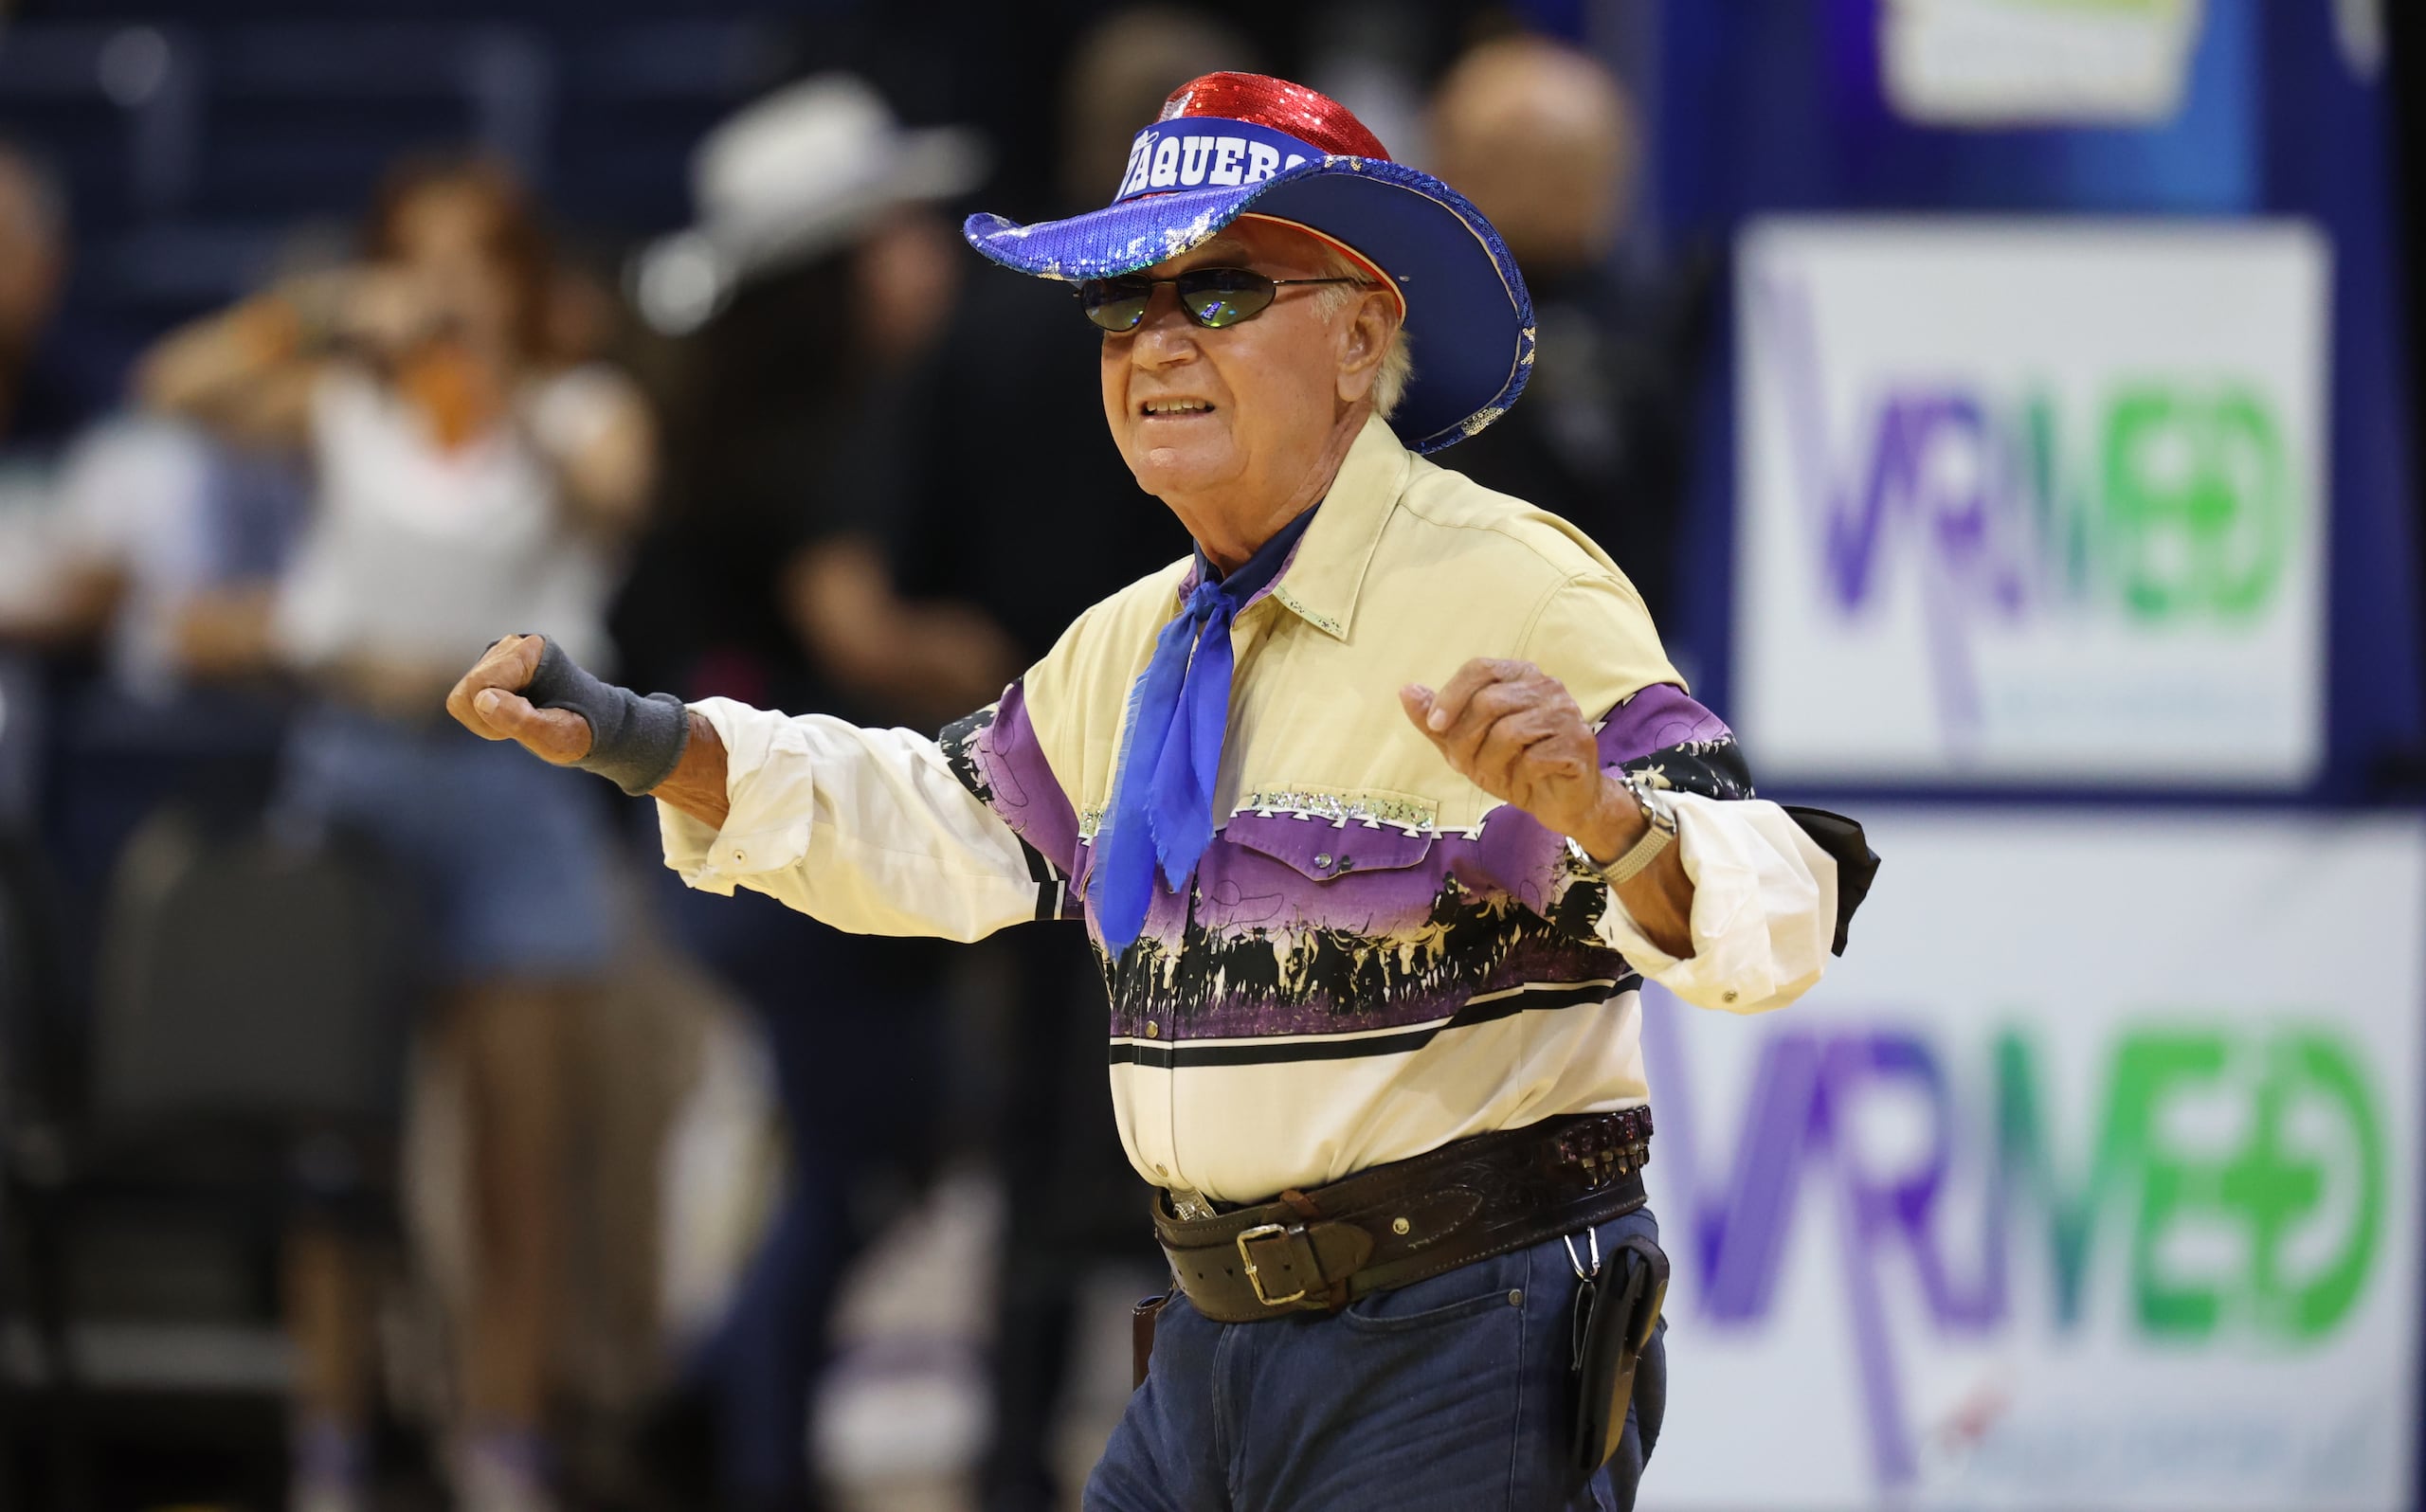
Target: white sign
{"points": [[2038, 63], [2029, 502], [2089, 1179]]}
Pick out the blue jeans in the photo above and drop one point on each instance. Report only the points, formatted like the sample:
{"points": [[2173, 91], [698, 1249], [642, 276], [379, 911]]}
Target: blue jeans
{"points": [[1451, 1393], [511, 856]]}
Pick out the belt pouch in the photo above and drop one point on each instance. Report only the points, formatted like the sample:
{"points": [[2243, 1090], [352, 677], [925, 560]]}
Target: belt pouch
{"points": [[1142, 1318], [1621, 1311]]}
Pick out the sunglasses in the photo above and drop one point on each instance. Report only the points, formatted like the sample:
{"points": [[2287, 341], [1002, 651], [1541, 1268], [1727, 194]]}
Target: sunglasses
{"points": [[1213, 298]]}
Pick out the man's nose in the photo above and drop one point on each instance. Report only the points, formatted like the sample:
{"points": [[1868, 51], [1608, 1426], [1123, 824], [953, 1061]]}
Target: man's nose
{"points": [[1165, 337]]}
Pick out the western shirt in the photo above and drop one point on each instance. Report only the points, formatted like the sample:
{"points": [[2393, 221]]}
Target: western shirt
{"points": [[1374, 957]]}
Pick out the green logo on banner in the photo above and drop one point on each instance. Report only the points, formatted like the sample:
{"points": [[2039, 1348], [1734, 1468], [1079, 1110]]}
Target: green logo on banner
{"points": [[2198, 502], [2270, 1189]]}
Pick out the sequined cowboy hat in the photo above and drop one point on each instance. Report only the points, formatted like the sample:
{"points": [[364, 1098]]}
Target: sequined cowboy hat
{"points": [[1228, 144]]}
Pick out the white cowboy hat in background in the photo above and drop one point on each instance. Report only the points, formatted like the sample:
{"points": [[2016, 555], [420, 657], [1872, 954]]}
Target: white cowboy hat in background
{"points": [[789, 176]]}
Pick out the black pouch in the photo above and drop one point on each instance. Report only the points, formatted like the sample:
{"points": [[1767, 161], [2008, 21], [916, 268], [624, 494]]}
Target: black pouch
{"points": [[1616, 1309]]}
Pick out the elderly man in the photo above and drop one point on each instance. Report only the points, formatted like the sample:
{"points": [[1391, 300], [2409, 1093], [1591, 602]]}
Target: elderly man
{"points": [[1379, 808]]}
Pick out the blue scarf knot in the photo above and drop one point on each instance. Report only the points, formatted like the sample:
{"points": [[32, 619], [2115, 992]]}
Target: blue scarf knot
{"points": [[1161, 817]]}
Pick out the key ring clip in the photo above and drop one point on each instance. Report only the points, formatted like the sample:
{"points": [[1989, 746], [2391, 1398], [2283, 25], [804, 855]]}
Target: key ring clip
{"points": [[1572, 1259]]}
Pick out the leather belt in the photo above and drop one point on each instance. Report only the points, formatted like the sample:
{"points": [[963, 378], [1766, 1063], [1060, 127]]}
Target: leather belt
{"points": [[1393, 1224]]}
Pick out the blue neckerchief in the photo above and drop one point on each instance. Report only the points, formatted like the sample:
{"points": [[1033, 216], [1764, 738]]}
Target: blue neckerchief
{"points": [[1179, 708]]}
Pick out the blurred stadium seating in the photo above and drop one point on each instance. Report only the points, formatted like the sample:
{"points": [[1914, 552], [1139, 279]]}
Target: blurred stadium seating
{"points": [[245, 1062], [192, 154]]}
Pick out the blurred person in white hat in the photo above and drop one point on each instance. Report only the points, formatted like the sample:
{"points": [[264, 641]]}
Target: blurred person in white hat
{"points": [[818, 272], [793, 176]]}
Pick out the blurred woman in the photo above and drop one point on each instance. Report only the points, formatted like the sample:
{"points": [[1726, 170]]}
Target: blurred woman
{"points": [[468, 481]]}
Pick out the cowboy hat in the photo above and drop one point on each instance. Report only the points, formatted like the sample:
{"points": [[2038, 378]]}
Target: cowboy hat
{"points": [[793, 175], [1229, 143]]}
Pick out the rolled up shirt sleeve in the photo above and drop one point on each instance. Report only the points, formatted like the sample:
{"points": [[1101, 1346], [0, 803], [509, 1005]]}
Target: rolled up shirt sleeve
{"points": [[867, 830], [1765, 907]]}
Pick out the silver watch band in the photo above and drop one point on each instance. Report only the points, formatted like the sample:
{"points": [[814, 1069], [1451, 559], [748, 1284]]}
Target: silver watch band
{"points": [[1659, 832]]}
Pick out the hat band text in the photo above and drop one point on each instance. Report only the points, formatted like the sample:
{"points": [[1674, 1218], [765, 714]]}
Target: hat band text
{"points": [[1207, 151]]}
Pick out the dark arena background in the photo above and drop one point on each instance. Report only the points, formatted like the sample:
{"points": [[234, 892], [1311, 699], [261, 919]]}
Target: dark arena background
{"points": [[2009, 409]]}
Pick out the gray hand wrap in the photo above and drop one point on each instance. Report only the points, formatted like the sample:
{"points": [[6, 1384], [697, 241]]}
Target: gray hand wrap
{"points": [[634, 742]]}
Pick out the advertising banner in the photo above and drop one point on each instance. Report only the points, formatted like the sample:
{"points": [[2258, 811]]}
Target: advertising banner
{"points": [[2088, 1180], [2036, 63], [2031, 502]]}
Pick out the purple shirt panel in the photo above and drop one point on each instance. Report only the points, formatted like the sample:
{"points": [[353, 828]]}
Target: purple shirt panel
{"points": [[1026, 795], [1305, 926], [1411, 926], [1654, 719]]}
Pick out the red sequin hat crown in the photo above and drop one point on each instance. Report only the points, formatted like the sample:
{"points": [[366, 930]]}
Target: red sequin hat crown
{"points": [[1309, 115]]}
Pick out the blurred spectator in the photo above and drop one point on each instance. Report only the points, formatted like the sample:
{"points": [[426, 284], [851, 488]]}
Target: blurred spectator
{"points": [[467, 482], [45, 399], [159, 537], [817, 274], [159, 543], [814, 280], [1020, 365], [1031, 548], [49, 388], [1543, 140]]}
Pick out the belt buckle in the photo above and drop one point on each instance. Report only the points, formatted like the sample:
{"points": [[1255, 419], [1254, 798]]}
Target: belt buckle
{"points": [[1255, 1279]]}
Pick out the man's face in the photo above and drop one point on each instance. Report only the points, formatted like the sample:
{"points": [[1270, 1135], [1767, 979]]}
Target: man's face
{"points": [[1249, 406]]}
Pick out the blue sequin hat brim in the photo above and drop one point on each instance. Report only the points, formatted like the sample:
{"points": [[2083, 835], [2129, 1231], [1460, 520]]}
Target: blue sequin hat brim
{"points": [[1469, 319]]}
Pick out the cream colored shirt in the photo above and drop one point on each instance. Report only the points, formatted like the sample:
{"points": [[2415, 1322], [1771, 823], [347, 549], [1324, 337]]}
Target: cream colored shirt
{"points": [[1375, 956]]}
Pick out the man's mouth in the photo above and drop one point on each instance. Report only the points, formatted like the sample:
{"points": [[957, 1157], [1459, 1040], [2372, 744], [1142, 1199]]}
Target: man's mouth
{"points": [[1175, 406]]}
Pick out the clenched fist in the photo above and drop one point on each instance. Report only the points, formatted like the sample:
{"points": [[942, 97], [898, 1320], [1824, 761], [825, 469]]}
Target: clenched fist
{"points": [[488, 701], [1513, 731]]}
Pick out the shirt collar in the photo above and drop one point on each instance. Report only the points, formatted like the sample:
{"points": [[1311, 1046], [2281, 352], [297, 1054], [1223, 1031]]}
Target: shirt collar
{"points": [[1318, 568], [1257, 573], [1320, 583]]}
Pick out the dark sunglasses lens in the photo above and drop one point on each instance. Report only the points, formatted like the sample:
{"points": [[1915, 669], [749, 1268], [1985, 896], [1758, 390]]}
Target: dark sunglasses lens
{"points": [[1224, 297], [1115, 304]]}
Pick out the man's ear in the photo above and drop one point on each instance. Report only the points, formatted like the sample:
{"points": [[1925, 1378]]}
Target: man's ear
{"points": [[1363, 342]]}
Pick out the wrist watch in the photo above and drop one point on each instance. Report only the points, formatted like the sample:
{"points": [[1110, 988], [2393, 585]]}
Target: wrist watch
{"points": [[1659, 829]]}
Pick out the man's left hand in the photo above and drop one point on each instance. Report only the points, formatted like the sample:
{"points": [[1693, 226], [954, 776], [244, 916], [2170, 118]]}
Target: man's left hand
{"points": [[1513, 731]]}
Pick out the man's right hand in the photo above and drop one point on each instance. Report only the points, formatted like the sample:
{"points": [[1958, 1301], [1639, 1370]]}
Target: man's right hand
{"points": [[489, 703]]}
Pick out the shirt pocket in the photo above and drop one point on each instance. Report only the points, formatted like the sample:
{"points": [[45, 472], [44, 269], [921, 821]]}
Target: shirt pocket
{"points": [[1296, 870], [1326, 851]]}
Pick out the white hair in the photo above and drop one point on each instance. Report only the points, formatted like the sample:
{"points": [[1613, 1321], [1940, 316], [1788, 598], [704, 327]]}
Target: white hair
{"points": [[1398, 362]]}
